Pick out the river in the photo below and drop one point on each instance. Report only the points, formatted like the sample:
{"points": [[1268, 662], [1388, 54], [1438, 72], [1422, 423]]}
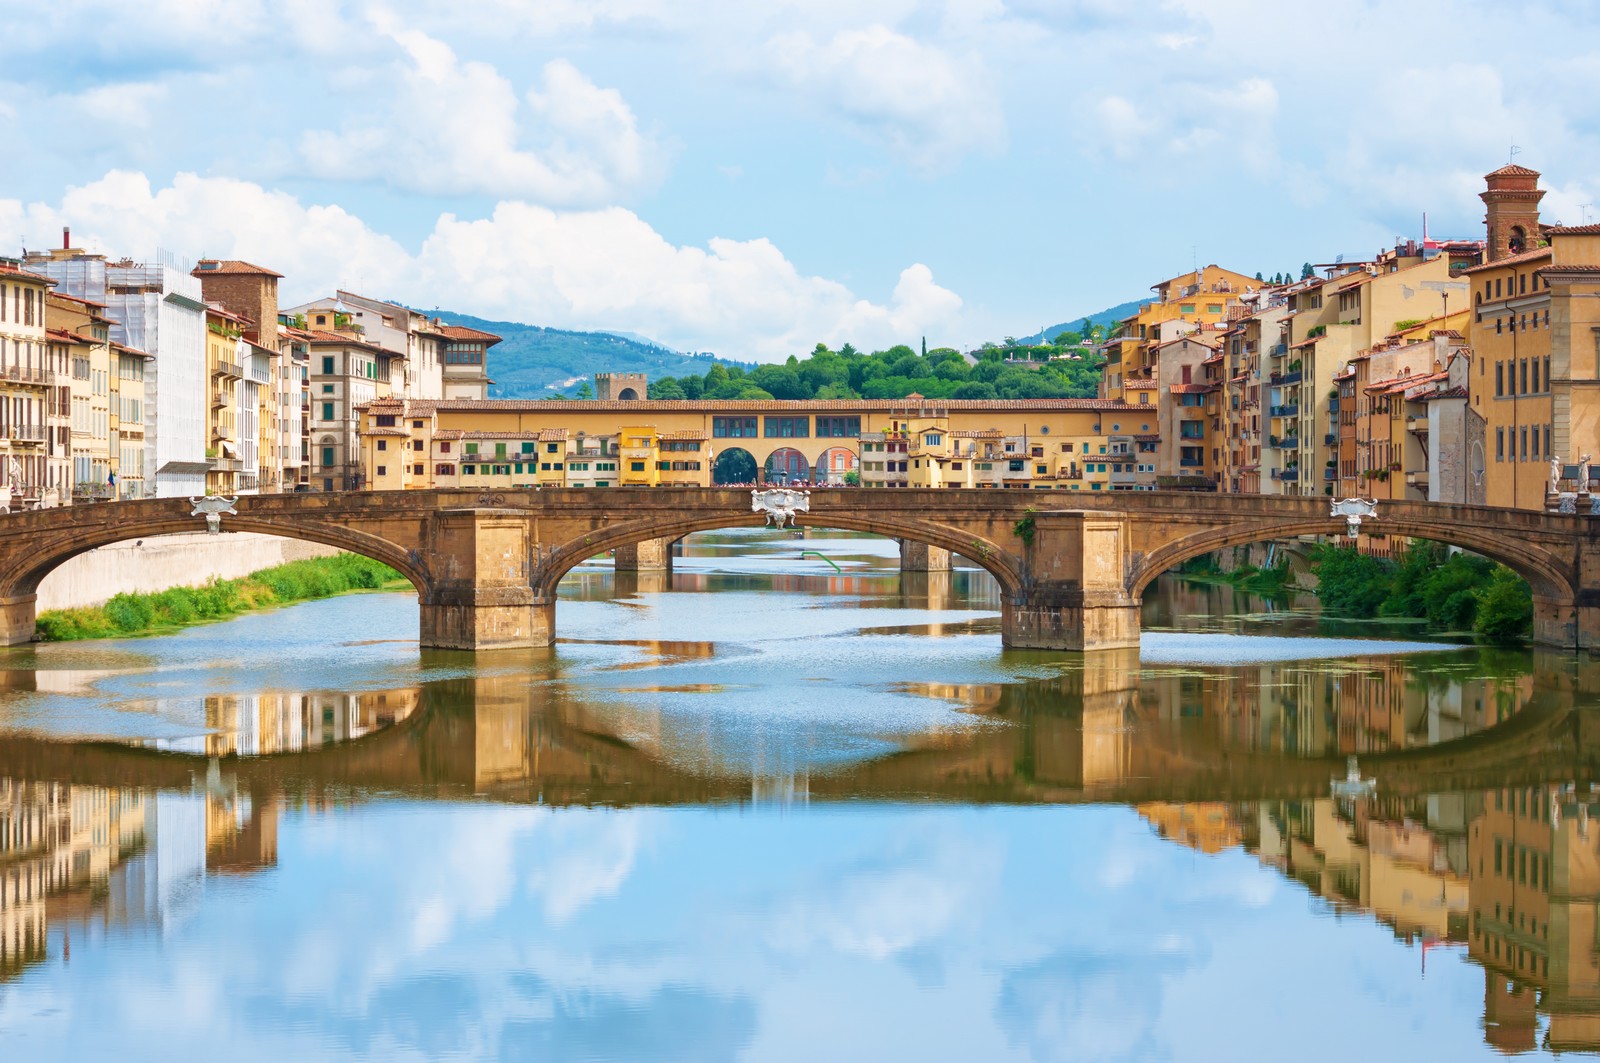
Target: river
{"points": [[789, 804]]}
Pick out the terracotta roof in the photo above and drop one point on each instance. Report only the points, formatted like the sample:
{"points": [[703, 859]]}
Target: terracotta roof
{"points": [[1138, 385], [462, 332], [64, 336], [691, 433], [227, 266], [643, 407], [383, 432], [1191, 389], [17, 271], [1450, 393], [1512, 170], [348, 339], [528, 436], [1154, 437], [1572, 230], [1568, 269], [221, 311], [75, 299], [1509, 260], [130, 350]]}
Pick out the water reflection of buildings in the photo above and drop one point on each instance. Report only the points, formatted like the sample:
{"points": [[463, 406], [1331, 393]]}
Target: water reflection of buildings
{"points": [[252, 725], [1512, 875]]}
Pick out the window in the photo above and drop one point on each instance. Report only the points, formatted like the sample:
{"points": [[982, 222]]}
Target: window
{"points": [[327, 389], [416, 470], [787, 427], [636, 466], [327, 411], [327, 365], [1499, 444], [327, 456], [1524, 377], [1185, 308], [385, 420], [500, 450], [416, 424], [444, 447], [472, 448], [733, 427], [416, 444], [932, 439], [1536, 374], [1499, 379], [383, 444], [1535, 442], [1014, 466], [383, 470], [838, 427], [1547, 449], [1524, 449], [468, 470], [1191, 430]]}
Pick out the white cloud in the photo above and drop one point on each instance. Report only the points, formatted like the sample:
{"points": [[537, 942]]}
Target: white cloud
{"points": [[928, 106], [440, 125], [575, 269]]}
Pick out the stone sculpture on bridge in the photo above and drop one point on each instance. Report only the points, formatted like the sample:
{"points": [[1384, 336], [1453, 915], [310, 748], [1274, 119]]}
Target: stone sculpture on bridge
{"points": [[1353, 510], [780, 504], [212, 507]]}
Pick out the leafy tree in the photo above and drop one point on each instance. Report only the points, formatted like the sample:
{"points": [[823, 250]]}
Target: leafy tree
{"points": [[1306, 272], [1258, 274], [585, 390], [667, 388], [975, 389], [852, 479], [1505, 610]]}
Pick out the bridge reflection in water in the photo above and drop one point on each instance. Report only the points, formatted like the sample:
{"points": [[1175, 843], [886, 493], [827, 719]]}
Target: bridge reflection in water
{"points": [[1477, 838]]}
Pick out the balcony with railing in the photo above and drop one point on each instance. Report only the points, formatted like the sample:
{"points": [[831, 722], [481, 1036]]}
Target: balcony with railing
{"points": [[1330, 473], [27, 375], [1288, 476], [1333, 404], [1417, 479], [1288, 409], [1416, 422], [1331, 439], [227, 369], [1283, 442], [220, 399], [1278, 350], [1285, 379], [25, 433]]}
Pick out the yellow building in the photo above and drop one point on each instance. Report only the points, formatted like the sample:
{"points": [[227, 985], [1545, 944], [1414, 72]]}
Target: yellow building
{"points": [[1041, 443], [1535, 309]]}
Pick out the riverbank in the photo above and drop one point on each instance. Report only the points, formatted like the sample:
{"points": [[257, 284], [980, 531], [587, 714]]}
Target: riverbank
{"points": [[1274, 582], [1453, 592], [125, 615]]}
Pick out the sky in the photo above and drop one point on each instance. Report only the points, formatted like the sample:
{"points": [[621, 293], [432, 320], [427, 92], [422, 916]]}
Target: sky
{"points": [[752, 179]]}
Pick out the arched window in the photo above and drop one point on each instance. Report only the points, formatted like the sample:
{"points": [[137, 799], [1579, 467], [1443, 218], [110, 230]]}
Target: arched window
{"points": [[1517, 241]]}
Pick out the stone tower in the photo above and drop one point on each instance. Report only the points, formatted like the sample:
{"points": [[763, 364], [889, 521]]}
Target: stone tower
{"points": [[248, 290], [620, 387], [1513, 217]]}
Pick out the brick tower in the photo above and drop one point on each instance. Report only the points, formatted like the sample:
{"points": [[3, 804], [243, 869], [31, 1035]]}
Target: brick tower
{"points": [[1513, 217]]}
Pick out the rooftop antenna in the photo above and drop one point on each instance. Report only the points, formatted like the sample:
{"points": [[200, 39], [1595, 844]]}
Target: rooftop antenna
{"points": [[1585, 207], [1515, 151]]}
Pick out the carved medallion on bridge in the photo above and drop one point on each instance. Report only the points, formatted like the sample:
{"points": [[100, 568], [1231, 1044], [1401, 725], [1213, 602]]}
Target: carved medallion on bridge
{"points": [[212, 507], [491, 499], [780, 505], [1353, 510]]}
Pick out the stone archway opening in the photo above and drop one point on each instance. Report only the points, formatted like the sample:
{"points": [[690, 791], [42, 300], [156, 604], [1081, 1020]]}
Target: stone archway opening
{"points": [[786, 466], [735, 465], [833, 465]]}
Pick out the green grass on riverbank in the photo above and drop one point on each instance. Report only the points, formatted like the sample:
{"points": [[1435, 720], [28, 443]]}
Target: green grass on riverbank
{"points": [[1451, 591], [143, 614], [1273, 582]]}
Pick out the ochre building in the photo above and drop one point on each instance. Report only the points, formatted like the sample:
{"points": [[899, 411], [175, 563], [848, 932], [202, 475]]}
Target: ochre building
{"points": [[1064, 444]]}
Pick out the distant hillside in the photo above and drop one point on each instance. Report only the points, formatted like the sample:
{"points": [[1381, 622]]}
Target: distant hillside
{"points": [[1109, 316], [541, 363]]}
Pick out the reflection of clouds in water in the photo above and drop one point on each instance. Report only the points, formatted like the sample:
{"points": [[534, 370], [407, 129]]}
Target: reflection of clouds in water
{"points": [[601, 1026], [582, 861], [1086, 1008], [893, 901]]}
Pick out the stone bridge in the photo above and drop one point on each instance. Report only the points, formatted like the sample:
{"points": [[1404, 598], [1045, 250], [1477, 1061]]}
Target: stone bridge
{"points": [[1071, 569]]}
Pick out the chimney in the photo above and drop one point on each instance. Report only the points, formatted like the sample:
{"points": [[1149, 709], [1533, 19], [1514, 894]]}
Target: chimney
{"points": [[66, 238]]}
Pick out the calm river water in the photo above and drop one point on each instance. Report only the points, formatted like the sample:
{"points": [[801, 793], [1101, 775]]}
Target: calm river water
{"points": [[769, 811]]}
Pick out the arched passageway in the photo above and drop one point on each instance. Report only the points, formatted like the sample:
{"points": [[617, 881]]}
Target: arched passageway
{"points": [[786, 466], [833, 464], [734, 465]]}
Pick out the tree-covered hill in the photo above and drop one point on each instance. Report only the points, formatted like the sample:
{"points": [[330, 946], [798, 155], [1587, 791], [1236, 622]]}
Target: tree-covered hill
{"points": [[532, 362]]}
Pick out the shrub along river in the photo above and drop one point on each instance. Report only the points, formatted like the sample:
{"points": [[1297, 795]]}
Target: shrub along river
{"points": [[762, 809]]}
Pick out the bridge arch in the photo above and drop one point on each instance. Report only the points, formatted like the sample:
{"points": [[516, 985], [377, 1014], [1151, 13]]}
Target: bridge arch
{"points": [[1547, 575], [735, 465], [786, 465], [987, 555], [50, 552]]}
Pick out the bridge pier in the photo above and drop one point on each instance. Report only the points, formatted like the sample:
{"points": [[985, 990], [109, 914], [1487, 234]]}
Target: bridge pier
{"points": [[648, 555], [1074, 591], [16, 619], [481, 598], [920, 557]]}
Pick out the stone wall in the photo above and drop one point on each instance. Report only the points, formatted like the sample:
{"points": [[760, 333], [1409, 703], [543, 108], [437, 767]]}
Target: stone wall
{"points": [[164, 561]]}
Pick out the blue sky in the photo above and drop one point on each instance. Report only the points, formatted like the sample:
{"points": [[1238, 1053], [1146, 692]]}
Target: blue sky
{"points": [[753, 178], [852, 931]]}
